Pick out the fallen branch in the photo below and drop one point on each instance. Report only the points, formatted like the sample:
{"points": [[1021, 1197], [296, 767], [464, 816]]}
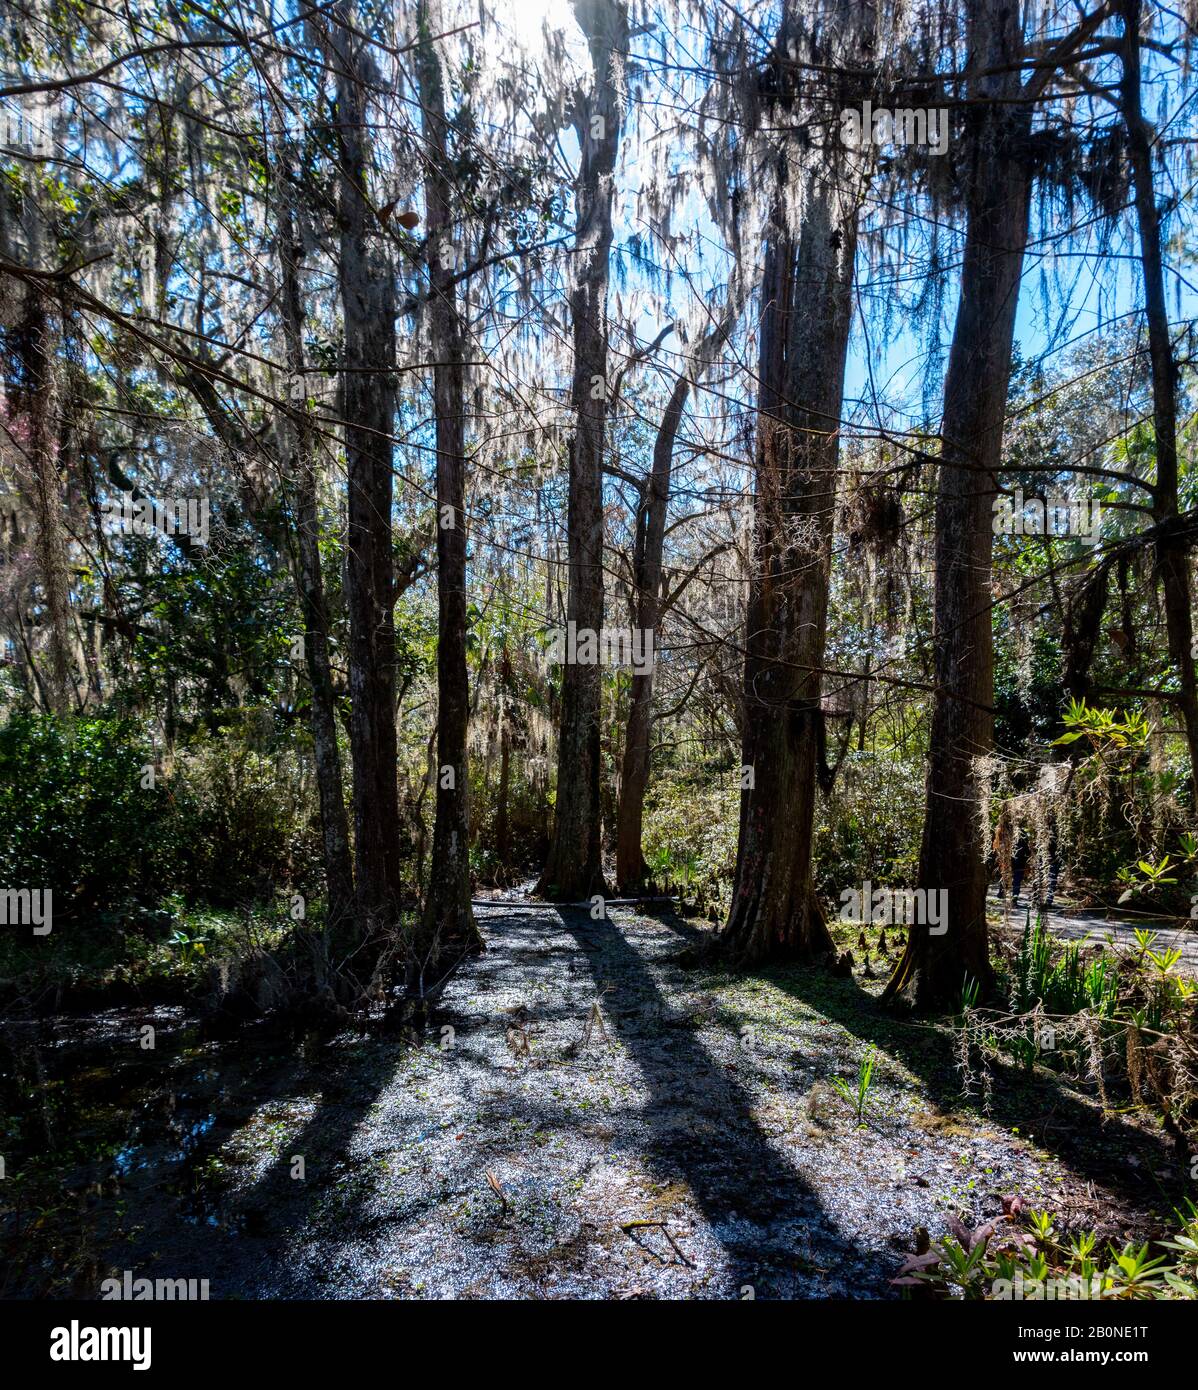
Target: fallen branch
{"points": [[629, 1226]]}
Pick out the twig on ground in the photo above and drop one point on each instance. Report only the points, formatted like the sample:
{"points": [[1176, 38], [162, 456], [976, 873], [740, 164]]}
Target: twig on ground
{"points": [[629, 1226]]}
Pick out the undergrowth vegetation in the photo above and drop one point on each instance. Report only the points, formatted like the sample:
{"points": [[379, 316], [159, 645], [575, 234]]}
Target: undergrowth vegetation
{"points": [[1021, 1256], [1122, 1023]]}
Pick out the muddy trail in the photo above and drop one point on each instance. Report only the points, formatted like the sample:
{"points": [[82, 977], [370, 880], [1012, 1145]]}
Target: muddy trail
{"points": [[592, 1115]]}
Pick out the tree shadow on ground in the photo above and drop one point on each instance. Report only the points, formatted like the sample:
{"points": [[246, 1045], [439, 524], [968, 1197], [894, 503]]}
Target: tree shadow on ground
{"points": [[692, 1125], [768, 1220], [1132, 1163], [299, 1225], [332, 1195], [667, 917]]}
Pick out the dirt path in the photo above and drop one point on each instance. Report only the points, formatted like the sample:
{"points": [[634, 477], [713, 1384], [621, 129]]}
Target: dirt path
{"points": [[592, 1117]]}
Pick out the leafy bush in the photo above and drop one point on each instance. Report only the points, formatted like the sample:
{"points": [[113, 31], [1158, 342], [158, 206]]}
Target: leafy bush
{"points": [[78, 816], [245, 823], [871, 825], [1125, 802], [689, 838], [869, 828]]}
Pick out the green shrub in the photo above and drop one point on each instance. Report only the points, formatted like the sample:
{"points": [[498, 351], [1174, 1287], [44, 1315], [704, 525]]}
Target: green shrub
{"points": [[1021, 1256], [871, 826], [78, 815], [246, 825], [689, 839], [86, 811]]}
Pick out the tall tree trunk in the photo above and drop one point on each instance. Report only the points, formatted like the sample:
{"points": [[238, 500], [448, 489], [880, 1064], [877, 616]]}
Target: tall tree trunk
{"points": [[33, 342], [503, 829], [368, 407], [651, 516], [648, 546], [39, 339], [1172, 551], [574, 869], [952, 858], [806, 314], [300, 470], [448, 927]]}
